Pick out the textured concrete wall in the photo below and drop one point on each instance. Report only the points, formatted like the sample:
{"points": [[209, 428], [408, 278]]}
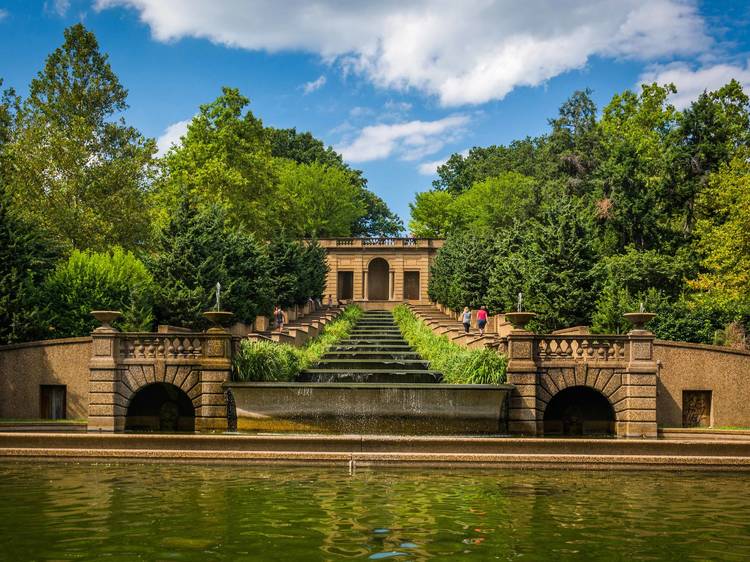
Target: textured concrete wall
{"points": [[723, 371], [24, 367]]}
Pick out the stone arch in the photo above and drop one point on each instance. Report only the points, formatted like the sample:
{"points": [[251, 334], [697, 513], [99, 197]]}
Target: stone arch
{"points": [[378, 279], [160, 406], [579, 410], [606, 382]]}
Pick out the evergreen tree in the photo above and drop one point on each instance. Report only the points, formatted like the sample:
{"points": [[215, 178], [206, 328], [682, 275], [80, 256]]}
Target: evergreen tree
{"points": [[198, 249], [25, 258]]}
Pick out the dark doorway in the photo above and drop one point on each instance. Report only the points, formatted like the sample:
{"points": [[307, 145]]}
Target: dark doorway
{"points": [[345, 285], [377, 280], [160, 407], [52, 399], [411, 285], [579, 410]]}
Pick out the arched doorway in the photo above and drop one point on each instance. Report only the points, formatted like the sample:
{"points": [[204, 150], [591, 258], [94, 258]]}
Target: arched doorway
{"points": [[579, 410], [377, 280], [160, 407]]}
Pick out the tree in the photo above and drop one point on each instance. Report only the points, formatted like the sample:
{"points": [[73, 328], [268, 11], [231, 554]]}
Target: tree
{"points": [[378, 219], [460, 272], [26, 256], [304, 148], [314, 200], [196, 250], [86, 281], [634, 170], [432, 215], [297, 271], [224, 160], [76, 170], [724, 235], [497, 202]]}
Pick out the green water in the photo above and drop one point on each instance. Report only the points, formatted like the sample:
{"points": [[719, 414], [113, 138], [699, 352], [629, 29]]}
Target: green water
{"points": [[60, 511]]}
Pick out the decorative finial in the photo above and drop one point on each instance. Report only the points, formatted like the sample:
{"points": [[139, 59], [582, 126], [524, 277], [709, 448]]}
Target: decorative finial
{"points": [[520, 302], [218, 296]]}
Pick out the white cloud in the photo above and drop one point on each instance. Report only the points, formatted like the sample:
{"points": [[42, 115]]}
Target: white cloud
{"points": [[461, 52], [691, 82], [171, 136], [59, 7], [310, 87], [411, 140], [3, 14]]}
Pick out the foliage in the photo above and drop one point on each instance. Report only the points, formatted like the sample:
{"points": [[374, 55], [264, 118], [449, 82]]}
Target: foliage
{"points": [[459, 365], [25, 258], [76, 170], [270, 361], [224, 160], [314, 200], [297, 271], [114, 280], [197, 250]]}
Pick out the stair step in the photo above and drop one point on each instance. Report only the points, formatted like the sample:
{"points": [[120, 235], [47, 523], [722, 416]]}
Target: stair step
{"points": [[364, 376]]}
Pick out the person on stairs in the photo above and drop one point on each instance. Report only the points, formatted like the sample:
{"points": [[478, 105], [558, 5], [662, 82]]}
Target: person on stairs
{"points": [[466, 319], [482, 319]]}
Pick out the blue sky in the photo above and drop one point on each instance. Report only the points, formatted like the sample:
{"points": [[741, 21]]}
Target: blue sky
{"points": [[395, 86]]}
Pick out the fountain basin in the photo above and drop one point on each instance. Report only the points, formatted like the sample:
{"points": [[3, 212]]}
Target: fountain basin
{"points": [[402, 408]]}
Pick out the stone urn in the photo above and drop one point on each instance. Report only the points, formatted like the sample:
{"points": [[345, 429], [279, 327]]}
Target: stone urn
{"points": [[106, 317], [519, 319], [639, 319], [219, 319]]}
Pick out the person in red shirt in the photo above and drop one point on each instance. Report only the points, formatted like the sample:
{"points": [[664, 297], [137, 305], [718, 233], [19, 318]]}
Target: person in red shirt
{"points": [[482, 319]]}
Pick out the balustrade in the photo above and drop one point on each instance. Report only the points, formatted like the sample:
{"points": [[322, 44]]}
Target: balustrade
{"points": [[152, 346], [586, 347]]}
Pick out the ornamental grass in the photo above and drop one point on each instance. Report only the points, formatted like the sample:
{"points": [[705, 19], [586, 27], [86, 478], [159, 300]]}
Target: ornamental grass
{"points": [[458, 364]]}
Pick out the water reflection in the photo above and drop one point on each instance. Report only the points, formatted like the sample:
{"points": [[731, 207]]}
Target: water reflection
{"points": [[193, 512]]}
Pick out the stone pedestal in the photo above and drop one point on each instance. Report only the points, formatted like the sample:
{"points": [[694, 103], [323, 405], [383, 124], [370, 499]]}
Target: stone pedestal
{"points": [[522, 374]]}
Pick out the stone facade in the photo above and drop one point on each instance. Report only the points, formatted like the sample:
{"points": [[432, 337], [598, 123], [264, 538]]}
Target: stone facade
{"points": [[382, 270]]}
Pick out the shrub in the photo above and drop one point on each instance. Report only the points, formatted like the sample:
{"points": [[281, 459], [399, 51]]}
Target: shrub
{"points": [[459, 365], [87, 281], [270, 361]]}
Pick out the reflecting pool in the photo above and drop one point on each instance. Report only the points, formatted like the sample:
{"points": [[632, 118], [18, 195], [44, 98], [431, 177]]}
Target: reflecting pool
{"points": [[56, 511]]}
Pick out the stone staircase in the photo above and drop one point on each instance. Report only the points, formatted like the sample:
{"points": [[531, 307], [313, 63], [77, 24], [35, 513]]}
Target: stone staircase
{"points": [[375, 352]]}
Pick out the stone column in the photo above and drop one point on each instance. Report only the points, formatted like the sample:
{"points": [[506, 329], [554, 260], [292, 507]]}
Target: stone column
{"points": [[107, 407], [358, 284], [391, 284], [638, 418], [364, 285], [216, 369], [522, 373]]}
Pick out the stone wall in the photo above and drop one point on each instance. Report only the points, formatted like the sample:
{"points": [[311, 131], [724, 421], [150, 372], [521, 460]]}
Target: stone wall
{"points": [[685, 367], [25, 367]]}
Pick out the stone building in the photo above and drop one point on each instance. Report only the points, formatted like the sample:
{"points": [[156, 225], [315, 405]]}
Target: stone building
{"points": [[378, 272]]}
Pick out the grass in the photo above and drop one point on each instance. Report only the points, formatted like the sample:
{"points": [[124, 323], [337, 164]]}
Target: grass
{"points": [[458, 364], [270, 361]]}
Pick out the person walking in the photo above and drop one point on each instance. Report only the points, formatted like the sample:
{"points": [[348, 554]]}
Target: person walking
{"points": [[482, 319], [466, 319], [279, 317]]}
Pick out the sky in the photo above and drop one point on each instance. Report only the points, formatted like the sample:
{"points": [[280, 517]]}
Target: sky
{"points": [[396, 86]]}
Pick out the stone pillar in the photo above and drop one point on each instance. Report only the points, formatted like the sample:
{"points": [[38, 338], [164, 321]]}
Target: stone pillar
{"points": [[358, 284], [107, 407], [364, 284], [638, 417], [391, 284], [522, 373], [216, 369]]}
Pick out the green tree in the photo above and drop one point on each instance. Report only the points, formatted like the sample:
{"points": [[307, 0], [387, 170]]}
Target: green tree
{"points": [[225, 160], [378, 219], [26, 256], [314, 200], [77, 170], [112, 280], [196, 250], [497, 202], [460, 272], [432, 215]]}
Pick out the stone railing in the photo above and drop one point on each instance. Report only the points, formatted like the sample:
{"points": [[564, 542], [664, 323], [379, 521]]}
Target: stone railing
{"points": [[378, 242], [152, 346], [583, 347]]}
